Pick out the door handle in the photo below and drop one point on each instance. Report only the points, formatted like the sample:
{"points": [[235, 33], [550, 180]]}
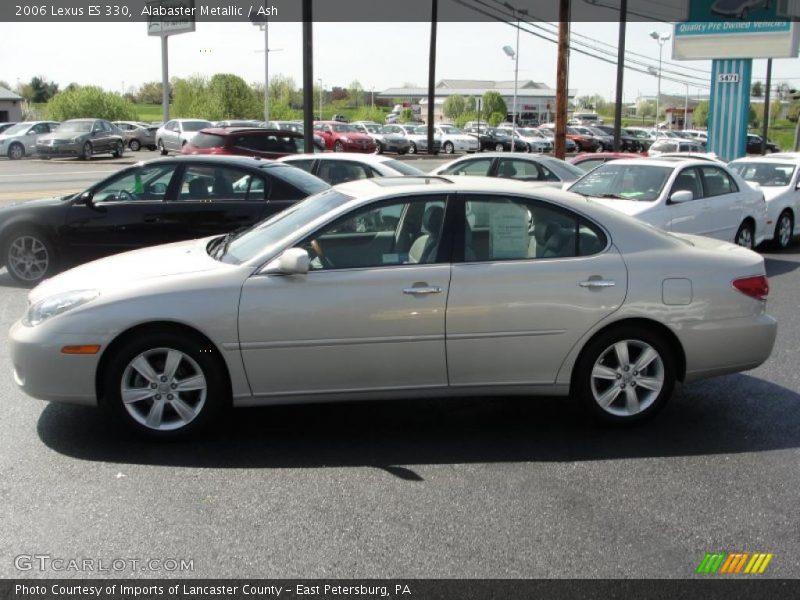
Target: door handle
{"points": [[597, 283], [422, 291]]}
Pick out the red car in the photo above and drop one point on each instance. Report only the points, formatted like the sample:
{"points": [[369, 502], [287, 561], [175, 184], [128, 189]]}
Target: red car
{"points": [[341, 137], [587, 162], [246, 141]]}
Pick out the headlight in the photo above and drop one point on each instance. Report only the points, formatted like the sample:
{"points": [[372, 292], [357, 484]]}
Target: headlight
{"points": [[55, 305]]}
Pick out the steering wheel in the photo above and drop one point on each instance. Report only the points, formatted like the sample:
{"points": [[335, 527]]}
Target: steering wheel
{"points": [[326, 262], [125, 195]]}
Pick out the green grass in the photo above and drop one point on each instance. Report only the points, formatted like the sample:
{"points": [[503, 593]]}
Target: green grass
{"points": [[148, 112]]}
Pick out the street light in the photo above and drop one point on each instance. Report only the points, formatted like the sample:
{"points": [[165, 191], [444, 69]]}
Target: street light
{"points": [[514, 55], [661, 38]]}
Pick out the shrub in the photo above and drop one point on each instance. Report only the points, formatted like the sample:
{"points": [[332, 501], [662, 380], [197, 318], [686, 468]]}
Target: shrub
{"points": [[90, 101]]}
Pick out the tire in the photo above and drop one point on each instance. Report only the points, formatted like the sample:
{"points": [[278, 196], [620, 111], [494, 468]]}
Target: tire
{"points": [[164, 412], [528, 148], [135, 145], [412, 149], [16, 151], [161, 148], [448, 148], [29, 256], [119, 150], [378, 148], [602, 370], [784, 231], [745, 236], [338, 147], [499, 147], [86, 153]]}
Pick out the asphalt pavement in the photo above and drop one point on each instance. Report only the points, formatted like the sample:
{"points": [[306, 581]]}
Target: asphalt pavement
{"points": [[478, 487]]}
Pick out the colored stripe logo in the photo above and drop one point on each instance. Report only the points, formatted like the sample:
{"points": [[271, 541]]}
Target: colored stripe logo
{"points": [[734, 563]]}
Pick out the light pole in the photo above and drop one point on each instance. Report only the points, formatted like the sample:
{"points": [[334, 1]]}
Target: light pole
{"points": [[320, 98], [661, 38], [514, 55], [372, 96]]}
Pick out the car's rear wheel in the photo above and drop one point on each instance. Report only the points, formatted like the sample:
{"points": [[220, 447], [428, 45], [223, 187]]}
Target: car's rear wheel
{"points": [[625, 375], [378, 148], [135, 145], [29, 256], [338, 147], [119, 150], [412, 149], [161, 148], [784, 230], [448, 148], [745, 236], [165, 385], [16, 151], [86, 153]]}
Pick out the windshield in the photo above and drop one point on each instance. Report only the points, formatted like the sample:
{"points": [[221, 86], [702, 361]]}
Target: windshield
{"points": [[372, 128], [562, 166], [344, 129], [75, 126], [17, 129], [267, 235], [421, 130], [195, 125], [300, 179], [624, 182], [765, 174]]}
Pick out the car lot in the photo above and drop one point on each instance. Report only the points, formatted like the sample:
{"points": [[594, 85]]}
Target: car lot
{"points": [[475, 487]]}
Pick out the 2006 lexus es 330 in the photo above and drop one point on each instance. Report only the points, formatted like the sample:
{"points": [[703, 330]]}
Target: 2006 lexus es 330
{"points": [[399, 288]]}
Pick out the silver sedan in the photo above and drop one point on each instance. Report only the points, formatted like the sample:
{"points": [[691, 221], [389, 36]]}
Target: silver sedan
{"points": [[546, 170], [393, 288]]}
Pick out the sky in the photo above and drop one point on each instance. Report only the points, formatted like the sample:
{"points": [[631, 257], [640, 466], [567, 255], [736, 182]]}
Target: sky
{"points": [[121, 56]]}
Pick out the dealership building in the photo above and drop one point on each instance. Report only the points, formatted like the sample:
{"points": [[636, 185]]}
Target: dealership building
{"points": [[535, 101], [10, 106]]}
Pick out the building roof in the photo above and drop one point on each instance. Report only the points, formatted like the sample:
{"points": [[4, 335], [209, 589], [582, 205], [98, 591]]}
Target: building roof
{"points": [[476, 87], [472, 84], [8, 95]]}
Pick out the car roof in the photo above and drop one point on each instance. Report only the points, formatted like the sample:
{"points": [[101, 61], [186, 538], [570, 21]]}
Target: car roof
{"points": [[228, 159], [589, 155], [355, 156], [261, 130], [777, 158], [669, 161]]}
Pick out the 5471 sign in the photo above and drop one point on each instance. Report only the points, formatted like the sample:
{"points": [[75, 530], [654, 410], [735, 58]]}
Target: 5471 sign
{"points": [[728, 78]]}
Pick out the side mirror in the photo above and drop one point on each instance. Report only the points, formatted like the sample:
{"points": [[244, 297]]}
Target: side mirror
{"points": [[86, 198], [293, 261], [681, 196]]}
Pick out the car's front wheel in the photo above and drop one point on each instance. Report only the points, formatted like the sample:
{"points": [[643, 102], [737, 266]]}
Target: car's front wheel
{"points": [[625, 375], [16, 151], [412, 149], [165, 384], [135, 145], [119, 150], [161, 147], [29, 256], [448, 148], [338, 147], [86, 153], [499, 147], [784, 231]]}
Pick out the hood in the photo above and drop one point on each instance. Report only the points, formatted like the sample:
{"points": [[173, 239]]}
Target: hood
{"points": [[43, 202], [132, 268], [628, 207], [355, 136], [189, 135]]}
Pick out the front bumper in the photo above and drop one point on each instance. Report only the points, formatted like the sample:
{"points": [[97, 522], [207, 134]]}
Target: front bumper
{"points": [[359, 147], [42, 371], [59, 149], [400, 146]]}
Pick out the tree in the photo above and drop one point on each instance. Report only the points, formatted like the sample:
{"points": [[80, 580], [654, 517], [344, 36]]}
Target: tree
{"points": [[757, 90], [493, 103], [4, 84], [90, 101], [231, 98], [42, 89], [283, 89], [150, 93], [753, 118], [406, 115], [355, 93], [471, 104], [454, 107], [700, 115], [496, 118]]}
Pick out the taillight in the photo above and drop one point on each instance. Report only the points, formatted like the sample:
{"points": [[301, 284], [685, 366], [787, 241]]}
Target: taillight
{"points": [[755, 287]]}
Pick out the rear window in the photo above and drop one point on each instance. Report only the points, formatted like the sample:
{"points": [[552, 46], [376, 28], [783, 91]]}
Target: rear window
{"points": [[403, 168], [208, 140], [300, 179]]}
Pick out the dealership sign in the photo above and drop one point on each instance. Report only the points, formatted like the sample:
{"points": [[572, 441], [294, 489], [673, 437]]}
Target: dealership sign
{"points": [[170, 17]]}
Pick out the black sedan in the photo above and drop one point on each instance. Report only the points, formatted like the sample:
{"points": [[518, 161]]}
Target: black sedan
{"points": [[495, 140], [754, 144], [628, 142], [154, 202]]}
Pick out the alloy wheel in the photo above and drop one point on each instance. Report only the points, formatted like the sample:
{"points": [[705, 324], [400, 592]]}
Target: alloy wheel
{"points": [[163, 389], [627, 378], [28, 258], [16, 151], [784, 230], [744, 237]]}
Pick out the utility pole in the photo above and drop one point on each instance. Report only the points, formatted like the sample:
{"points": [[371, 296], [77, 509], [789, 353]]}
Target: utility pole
{"points": [[765, 132], [432, 72], [308, 78], [562, 78], [623, 22]]}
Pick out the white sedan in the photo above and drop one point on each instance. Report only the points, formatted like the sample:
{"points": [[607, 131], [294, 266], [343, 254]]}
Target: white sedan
{"points": [[779, 180], [455, 140], [398, 288], [686, 196], [341, 167], [547, 170]]}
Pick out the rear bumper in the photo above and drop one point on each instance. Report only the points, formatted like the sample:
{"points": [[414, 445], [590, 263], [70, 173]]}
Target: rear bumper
{"points": [[728, 345]]}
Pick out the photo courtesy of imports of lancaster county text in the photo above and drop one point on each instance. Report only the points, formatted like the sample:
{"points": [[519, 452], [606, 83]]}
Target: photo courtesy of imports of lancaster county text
{"points": [[368, 299]]}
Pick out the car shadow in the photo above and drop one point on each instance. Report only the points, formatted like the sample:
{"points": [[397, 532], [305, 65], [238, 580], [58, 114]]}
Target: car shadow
{"points": [[733, 414], [7, 281], [776, 266]]}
